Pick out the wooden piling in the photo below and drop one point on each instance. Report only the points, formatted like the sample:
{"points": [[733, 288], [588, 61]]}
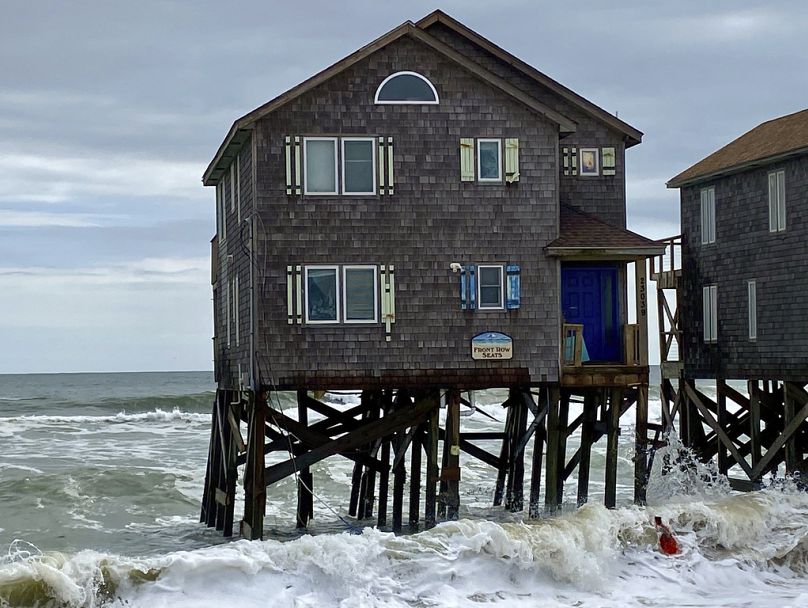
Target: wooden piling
{"points": [[612, 433], [589, 415], [723, 419], [753, 387], [641, 446], [540, 435], [553, 469], [431, 446], [255, 494], [415, 478], [450, 474], [504, 456], [514, 495], [305, 499]]}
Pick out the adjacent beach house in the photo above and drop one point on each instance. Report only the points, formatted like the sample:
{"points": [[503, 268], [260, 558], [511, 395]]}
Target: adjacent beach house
{"points": [[428, 213], [742, 303]]}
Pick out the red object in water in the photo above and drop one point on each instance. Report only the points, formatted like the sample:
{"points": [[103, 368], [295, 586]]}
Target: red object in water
{"points": [[667, 541]]}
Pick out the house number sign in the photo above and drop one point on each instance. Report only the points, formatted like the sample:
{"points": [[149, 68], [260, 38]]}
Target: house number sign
{"points": [[491, 345]]}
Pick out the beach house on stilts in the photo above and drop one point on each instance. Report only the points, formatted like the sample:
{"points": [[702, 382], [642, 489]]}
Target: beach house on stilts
{"points": [[428, 216], [732, 293]]}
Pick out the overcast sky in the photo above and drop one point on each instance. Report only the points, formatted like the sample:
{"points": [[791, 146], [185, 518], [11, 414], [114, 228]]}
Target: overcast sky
{"points": [[110, 111]]}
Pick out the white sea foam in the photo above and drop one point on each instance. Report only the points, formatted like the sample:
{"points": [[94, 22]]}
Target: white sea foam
{"points": [[738, 550], [156, 415]]}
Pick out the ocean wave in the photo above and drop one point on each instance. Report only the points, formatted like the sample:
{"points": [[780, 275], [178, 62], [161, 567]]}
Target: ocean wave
{"points": [[593, 556], [156, 415]]}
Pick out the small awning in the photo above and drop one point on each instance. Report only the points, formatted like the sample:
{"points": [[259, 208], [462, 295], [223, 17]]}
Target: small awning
{"points": [[584, 236]]}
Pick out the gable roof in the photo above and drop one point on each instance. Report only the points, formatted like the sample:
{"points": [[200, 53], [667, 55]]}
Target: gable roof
{"points": [[581, 233], [242, 127], [633, 136], [768, 142]]}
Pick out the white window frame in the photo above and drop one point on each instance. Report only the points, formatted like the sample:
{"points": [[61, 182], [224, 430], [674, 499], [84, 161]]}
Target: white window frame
{"points": [[305, 166], [238, 188], [373, 155], [707, 207], [375, 294], [336, 295], [401, 102], [501, 286], [232, 187], [219, 216], [710, 313], [498, 178], [751, 299], [236, 298], [596, 155], [227, 305], [777, 206]]}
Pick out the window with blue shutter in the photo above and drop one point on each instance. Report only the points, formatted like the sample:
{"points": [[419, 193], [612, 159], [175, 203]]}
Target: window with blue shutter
{"points": [[490, 287], [513, 287]]}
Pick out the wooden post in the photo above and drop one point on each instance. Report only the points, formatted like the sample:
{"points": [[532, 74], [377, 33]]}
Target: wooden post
{"points": [[789, 412], [551, 493], [641, 445], [563, 432], [450, 474], [415, 478], [504, 456], [384, 483], [587, 438], [514, 500], [356, 475], [399, 470], [432, 433], [368, 484], [399, 478], [384, 474], [640, 285], [208, 514], [304, 489], [612, 430], [538, 448], [721, 400], [753, 387], [255, 493]]}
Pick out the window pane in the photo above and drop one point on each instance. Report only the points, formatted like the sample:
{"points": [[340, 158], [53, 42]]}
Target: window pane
{"points": [[321, 175], [360, 294], [490, 287], [406, 87], [489, 160], [321, 294], [358, 159]]}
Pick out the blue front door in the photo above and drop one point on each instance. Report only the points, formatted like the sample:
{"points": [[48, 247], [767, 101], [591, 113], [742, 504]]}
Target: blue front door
{"points": [[589, 297]]}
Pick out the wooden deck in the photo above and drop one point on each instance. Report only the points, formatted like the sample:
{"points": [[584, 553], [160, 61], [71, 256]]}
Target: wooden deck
{"points": [[611, 375]]}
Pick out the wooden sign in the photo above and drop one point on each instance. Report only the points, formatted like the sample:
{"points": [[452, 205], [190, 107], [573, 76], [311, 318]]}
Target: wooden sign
{"points": [[491, 345]]}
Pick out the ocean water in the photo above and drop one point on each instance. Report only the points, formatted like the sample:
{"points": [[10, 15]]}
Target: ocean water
{"points": [[101, 477]]}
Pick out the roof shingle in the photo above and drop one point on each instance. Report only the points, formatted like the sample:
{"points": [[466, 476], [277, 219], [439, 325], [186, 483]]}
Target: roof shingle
{"points": [[579, 230], [767, 141]]}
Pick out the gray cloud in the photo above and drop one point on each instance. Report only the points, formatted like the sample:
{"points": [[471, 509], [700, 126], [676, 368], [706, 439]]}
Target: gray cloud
{"points": [[110, 111]]}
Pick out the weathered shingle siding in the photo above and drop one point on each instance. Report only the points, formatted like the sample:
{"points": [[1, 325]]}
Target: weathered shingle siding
{"points": [[744, 250], [234, 263], [603, 196], [432, 219]]}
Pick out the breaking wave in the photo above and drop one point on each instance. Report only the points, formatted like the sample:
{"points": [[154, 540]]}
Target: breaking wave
{"points": [[735, 550]]}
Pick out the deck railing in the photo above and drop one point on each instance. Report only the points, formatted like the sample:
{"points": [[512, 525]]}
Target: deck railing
{"points": [[631, 343], [670, 259], [573, 348], [572, 343]]}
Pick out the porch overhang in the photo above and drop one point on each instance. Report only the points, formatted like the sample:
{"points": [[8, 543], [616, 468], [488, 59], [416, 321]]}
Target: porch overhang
{"points": [[619, 254], [584, 236]]}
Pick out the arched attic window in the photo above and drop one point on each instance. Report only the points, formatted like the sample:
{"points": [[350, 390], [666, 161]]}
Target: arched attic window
{"points": [[406, 87]]}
